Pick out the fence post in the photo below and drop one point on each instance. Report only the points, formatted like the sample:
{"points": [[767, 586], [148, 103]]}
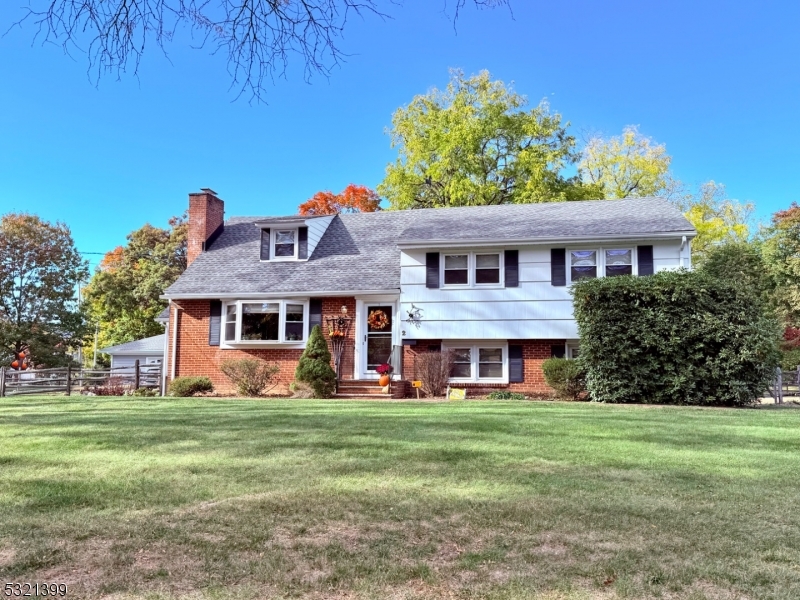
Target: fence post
{"points": [[136, 374], [2, 381], [69, 379], [779, 387]]}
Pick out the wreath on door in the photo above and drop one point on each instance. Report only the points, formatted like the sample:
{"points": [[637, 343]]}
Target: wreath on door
{"points": [[377, 319]]}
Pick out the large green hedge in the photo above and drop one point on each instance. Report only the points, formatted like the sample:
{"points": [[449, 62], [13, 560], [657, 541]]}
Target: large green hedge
{"points": [[674, 338]]}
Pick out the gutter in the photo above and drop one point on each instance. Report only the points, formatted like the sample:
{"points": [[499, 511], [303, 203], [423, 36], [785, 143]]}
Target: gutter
{"points": [[282, 295], [561, 240]]}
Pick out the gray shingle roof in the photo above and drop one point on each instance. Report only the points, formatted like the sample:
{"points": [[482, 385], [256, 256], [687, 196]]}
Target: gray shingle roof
{"points": [[359, 252], [151, 345]]}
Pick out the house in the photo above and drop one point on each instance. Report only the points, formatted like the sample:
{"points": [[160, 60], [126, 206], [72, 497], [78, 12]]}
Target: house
{"points": [[489, 282], [148, 351]]}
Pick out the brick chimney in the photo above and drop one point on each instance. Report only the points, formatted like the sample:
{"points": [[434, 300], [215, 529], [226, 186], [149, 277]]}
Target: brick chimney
{"points": [[206, 217]]}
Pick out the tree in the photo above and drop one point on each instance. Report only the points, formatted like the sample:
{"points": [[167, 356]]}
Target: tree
{"points": [[781, 250], [314, 367], [717, 219], [256, 35], [123, 295], [627, 166], [472, 144], [39, 271], [354, 198]]}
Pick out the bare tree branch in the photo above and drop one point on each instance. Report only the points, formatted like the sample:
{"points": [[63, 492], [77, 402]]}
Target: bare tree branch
{"points": [[257, 36]]}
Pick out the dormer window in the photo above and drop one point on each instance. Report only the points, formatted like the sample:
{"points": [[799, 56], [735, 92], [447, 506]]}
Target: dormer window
{"points": [[285, 244]]}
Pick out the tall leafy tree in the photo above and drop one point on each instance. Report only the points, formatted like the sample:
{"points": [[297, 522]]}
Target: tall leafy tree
{"points": [[354, 198], [781, 251], [474, 144], [123, 294], [717, 219], [40, 269], [627, 166]]}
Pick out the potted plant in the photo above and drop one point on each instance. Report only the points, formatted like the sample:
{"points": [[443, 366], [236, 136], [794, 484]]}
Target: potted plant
{"points": [[384, 370]]}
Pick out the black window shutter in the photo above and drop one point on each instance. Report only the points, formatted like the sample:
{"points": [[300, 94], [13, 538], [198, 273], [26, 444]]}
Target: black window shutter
{"points": [[314, 313], [512, 268], [516, 365], [645, 254], [558, 351], [265, 244], [302, 242], [558, 266], [214, 322], [432, 269]]}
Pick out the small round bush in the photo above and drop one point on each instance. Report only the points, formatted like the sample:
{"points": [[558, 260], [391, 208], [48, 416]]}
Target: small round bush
{"points": [[566, 377], [252, 377], [189, 386]]}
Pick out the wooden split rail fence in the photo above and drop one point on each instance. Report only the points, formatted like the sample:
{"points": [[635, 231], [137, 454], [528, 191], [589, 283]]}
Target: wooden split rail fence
{"points": [[72, 380], [785, 384]]}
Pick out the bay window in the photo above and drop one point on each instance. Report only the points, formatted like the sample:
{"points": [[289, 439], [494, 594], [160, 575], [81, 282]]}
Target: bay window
{"points": [[265, 322]]}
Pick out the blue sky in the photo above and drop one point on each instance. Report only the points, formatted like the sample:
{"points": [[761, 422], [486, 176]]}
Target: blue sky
{"points": [[717, 82]]}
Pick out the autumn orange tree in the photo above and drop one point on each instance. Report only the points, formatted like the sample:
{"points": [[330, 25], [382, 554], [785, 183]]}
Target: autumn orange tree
{"points": [[354, 198], [40, 269], [123, 294]]}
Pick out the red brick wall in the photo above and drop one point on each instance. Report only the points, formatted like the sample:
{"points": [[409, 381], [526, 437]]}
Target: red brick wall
{"points": [[534, 352], [194, 357], [206, 214]]}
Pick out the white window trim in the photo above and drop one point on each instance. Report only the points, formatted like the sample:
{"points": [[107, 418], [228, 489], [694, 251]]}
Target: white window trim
{"points": [[273, 236], [471, 268], [280, 342], [601, 259], [474, 346]]}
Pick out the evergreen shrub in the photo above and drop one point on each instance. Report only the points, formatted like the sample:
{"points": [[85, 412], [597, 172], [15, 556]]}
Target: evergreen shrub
{"points": [[566, 377], [674, 338], [315, 368], [184, 387]]}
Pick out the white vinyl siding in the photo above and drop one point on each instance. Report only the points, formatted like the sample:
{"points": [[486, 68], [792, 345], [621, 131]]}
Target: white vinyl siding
{"points": [[534, 310]]}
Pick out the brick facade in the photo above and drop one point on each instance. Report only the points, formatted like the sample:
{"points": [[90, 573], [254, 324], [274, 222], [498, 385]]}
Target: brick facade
{"points": [[194, 357], [534, 352]]}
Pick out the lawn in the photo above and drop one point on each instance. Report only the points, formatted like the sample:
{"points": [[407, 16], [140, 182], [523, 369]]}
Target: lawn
{"points": [[208, 498]]}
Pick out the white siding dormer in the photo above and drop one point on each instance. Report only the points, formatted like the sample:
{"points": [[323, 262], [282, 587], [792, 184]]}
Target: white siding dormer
{"points": [[316, 229], [272, 230]]}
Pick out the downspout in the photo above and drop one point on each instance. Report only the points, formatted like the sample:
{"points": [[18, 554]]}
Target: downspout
{"points": [[682, 256], [174, 343], [164, 359]]}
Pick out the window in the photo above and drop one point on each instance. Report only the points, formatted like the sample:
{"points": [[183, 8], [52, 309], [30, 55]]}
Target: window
{"points": [[487, 268], [472, 269], [462, 363], [608, 262], [285, 244], [268, 321], [583, 264], [260, 321], [479, 362], [456, 269], [619, 262]]}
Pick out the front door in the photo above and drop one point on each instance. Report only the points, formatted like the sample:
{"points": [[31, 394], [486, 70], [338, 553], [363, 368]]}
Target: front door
{"points": [[378, 337]]}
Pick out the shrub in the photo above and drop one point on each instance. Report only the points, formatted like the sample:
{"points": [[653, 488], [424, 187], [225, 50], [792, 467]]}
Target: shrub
{"points": [[566, 377], [674, 338], [142, 392], [315, 368], [433, 370], [790, 359], [505, 395], [113, 386], [252, 377], [189, 386]]}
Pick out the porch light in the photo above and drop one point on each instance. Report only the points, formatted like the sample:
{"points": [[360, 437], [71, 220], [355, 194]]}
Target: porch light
{"points": [[344, 310]]}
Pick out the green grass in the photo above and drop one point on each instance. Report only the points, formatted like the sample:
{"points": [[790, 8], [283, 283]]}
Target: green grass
{"points": [[203, 498]]}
